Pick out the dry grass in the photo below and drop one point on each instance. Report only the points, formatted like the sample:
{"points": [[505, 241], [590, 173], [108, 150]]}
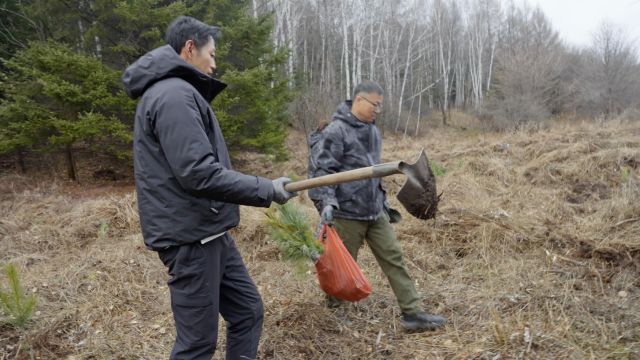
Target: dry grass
{"points": [[535, 254]]}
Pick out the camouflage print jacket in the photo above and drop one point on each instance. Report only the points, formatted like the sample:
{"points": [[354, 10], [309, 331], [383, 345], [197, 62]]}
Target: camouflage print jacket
{"points": [[347, 144]]}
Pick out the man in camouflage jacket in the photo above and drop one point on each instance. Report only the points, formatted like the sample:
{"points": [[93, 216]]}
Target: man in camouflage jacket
{"points": [[359, 209]]}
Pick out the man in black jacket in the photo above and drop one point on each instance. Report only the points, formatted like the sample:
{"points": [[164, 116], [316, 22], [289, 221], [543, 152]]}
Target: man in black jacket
{"points": [[188, 193], [359, 209]]}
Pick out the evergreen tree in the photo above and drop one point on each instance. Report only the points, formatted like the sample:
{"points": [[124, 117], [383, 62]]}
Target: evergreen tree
{"points": [[55, 98], [253, 110], [127, 30], [16, 28]]}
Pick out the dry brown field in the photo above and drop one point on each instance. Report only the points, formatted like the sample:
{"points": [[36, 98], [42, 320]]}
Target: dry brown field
{"points": [[534, 254]]}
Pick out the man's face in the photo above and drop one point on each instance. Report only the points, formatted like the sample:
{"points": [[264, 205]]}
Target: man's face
{"points": [[203, 59], [367, 106]]}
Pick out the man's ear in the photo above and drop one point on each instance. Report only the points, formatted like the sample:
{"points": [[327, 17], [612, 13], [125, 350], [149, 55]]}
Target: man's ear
{"points": [[188, 48]]}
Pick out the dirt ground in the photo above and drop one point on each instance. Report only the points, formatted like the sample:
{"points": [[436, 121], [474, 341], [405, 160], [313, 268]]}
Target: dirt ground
{"points": [[534, 254]]}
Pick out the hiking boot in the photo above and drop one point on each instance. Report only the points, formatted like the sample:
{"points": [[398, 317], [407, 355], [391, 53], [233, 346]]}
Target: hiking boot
{"points": [[421, 321]]}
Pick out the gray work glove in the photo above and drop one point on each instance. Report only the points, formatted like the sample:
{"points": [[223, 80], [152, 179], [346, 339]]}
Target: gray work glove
{"points": [[326, 216], [280, 195]]}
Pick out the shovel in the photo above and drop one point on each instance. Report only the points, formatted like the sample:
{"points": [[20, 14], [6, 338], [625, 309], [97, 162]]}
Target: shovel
{"points": [[417, 195]]}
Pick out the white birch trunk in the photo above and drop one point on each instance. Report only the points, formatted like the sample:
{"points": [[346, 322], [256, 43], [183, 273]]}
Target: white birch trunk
{"points": [[345, 50], [405, 75]]}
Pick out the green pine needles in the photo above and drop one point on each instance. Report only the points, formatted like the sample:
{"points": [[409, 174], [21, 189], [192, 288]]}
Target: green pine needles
{"points": [[290, 229], [15, 304]]}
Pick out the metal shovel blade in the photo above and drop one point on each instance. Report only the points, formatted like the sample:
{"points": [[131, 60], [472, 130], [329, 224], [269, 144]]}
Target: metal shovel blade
{"points": [[418, 195]]}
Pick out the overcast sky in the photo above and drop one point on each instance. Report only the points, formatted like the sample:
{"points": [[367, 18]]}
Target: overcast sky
{"points": [[577, 20]]}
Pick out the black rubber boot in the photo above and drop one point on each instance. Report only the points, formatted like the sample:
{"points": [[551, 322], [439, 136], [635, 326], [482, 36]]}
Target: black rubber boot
{"points": [[421, 321]]}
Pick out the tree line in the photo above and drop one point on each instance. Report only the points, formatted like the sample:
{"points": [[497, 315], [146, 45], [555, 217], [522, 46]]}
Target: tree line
{"points": [[499, 60], [289, 62]]}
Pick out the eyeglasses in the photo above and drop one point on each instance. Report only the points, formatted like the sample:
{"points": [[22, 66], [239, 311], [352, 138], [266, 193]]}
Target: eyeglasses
{"points": [[377, 106]]}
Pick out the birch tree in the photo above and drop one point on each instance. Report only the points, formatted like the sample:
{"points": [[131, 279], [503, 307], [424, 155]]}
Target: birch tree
{"points": [[445, 27]]}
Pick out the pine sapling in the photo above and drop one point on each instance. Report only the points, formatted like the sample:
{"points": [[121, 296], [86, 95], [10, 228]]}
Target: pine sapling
{"points": [[15, 304], [292, 233]]}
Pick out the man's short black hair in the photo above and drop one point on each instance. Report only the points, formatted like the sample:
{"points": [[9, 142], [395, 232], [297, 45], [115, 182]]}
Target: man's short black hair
{"points": [[368, 87], [185, 28]]}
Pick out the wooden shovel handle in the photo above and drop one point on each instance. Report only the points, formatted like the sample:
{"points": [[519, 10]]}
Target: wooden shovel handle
{"points": [[380, 170]]}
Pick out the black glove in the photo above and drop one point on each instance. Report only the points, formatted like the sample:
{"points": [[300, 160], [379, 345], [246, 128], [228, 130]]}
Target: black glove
{"points": [[280, 195], [326, 216], [394, 215]]}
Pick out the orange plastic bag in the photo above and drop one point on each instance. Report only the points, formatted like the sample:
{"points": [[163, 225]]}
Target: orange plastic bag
{"points": [[338, 273]]}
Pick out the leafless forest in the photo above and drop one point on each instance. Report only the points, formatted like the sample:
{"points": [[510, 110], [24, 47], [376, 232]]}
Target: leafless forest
{"points": [[501, 60]]}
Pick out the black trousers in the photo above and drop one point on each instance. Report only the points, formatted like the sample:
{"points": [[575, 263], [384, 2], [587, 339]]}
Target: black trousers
{"points": [[207, 280]]}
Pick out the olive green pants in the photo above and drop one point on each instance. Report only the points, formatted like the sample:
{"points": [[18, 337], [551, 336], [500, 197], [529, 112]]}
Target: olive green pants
{"points": [[381, 238]]}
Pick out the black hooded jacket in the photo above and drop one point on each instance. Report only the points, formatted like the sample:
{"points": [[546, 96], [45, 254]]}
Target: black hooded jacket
{"points": [[185, 184], [347, 144]]}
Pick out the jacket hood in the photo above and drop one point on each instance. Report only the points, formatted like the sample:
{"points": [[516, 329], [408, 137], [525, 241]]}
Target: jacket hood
{"points": [[343, 112], [163, 63], [315, 137]]}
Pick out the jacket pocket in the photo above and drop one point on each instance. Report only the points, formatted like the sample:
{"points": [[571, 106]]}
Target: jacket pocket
{"points": [[215, 207], [188, 284]]}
